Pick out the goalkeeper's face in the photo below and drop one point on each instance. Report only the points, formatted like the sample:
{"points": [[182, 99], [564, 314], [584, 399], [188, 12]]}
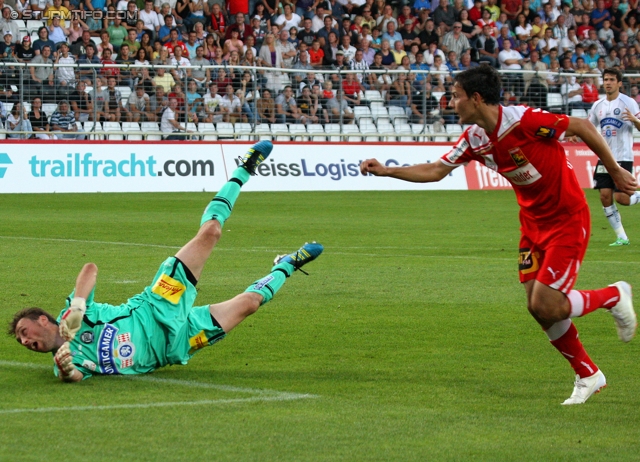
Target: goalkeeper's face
{"points": [[39, 335]]}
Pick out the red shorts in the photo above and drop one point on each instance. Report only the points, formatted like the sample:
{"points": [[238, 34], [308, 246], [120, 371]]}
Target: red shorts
{"points": [[551, 251]]}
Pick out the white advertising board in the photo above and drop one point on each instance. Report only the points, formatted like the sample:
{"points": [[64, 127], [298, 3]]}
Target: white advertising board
{"points": [[196, 166]]}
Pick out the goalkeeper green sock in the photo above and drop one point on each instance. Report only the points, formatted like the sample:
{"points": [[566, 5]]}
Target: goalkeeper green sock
{"points": [[270, 284], [221, 205]]}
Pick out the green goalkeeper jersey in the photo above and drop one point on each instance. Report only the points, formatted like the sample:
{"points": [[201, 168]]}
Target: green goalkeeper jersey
{"points": [[160, 326]]}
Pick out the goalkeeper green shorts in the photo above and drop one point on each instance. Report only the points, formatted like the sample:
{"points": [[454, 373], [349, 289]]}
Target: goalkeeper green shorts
{"points": [[172, 295]]}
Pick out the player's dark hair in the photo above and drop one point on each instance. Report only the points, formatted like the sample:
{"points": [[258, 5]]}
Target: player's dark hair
{"points": [[483, 80], [613, 71], [32, 313]]}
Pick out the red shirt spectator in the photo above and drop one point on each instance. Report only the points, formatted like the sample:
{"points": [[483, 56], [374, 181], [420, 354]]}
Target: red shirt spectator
{"points": [[171, 45], [589, 92], [583, 31], [351, 88], [315, 56], [475, 13]]}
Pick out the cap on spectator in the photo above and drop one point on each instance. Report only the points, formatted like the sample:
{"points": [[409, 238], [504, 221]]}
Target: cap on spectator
{"points": [[7, 32], [257, 17], [346, 16], [26, 38], [339, 52], [408, 22]]}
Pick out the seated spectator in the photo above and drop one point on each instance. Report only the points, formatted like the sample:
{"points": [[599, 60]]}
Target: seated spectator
{"points": [[159, 101], [140, 107], [63, 121], [511, 60], [18, 121], [431, 52], [592, 57], [398, 53], [107, 60], [132, 41], [487, 48], [351, 90], [98, 97], [169, 124], [286, 108], [338, 107], [80, 101], [439, 79], [589, 92], [266, 108], [392, 35], [43, 40], [400, 92], [65, 76], [24, 52], [288, 19], [572, 95], [424, 106], [164, 79], [211, 108], [113, 103], [380, 82], [308, 106], [42, 77], [40, 121], [286, 49], [57, 34], [316, 54], [86, 74], [230, 105]]}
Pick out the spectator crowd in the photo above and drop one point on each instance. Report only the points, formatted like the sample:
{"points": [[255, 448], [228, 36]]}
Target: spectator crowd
{"points": [[579, 39]]}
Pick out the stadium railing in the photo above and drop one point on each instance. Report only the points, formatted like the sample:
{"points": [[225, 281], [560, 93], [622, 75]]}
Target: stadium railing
{"points": [[376, 116]]}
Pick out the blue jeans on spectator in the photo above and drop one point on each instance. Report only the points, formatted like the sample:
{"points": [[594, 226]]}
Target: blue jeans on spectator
{"points": [[22, 126], [246, 110], [304, 13], [70, 136], [400, 101]]}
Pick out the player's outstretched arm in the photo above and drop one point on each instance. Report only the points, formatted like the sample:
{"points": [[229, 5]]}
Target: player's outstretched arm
{"points": [[624, 180], [419, 173], [72, 319]]}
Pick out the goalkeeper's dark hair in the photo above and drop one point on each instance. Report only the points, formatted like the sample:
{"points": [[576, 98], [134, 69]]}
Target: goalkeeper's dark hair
{"points": [[483, 80], [33, 313]]}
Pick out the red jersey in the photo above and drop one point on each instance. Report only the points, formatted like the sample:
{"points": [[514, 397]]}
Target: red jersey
{"points": [[352, 88], [524, 149]]}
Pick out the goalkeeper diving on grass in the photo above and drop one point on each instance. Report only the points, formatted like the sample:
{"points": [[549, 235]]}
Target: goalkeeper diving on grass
{"points": [[161, 325]]}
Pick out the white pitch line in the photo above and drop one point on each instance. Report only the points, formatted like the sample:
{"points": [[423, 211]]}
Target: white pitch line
{"points": [[333, 250], [263, 394], [284, 397]]}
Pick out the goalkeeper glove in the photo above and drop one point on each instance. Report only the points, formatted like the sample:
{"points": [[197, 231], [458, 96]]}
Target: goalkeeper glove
{"points": [[72, 319], [63, 360]]}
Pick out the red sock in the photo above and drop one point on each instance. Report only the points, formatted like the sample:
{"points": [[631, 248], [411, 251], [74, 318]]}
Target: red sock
{"points": [[571, 348], [585, 301]]}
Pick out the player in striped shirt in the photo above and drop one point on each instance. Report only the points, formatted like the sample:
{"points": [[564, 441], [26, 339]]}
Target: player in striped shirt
{"points": [[522, 144]]}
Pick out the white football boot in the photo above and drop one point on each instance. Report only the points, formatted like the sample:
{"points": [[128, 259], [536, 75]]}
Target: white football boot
{"points": [[623, 313], [585, 387]]}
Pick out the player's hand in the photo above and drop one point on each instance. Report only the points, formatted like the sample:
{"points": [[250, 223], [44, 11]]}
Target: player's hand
{"points": [[372, 166], [64, 359], [72, 319], [630, 116], [625, 181]]}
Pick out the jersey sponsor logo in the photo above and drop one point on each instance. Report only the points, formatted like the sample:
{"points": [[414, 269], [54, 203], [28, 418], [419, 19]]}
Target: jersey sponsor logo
{"points": [[601, 169], [518, 157], [125, 350], [197, 342], [616, 111], [168, 288], [554, 274], [524, 175], [546, 132], [105, 350], [458, 151], [86, 337], [608, 133], [611, 121], [528, 261], [89, 365]]}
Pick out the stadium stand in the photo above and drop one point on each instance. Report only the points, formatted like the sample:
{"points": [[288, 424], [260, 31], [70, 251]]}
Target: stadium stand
{"points": [[402, 96]]}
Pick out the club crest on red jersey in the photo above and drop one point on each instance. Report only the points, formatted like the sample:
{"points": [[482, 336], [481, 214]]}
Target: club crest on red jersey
{"points": [[518, 157], [546, 132]]}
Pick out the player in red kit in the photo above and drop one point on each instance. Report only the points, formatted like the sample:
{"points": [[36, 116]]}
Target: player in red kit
{"points": [[522, 145]]}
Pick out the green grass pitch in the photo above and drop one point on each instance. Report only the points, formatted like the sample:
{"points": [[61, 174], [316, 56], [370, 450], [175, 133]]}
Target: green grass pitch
{"points": [[410, 339]]}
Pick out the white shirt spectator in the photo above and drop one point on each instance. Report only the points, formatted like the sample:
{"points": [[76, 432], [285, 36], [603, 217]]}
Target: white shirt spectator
{"points": [[183, 62], [165, 125], [150, 19], [428, 57], [553, 43], [231, 105], [66, 74], [567, 88], [504, 55], [288, 24]]}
